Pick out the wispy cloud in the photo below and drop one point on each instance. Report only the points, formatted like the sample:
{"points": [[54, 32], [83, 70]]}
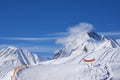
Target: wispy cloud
{"points": [[34, 48], [57, 34], [41, 49], [110, 33], [81, 27], [60, 37], [74, 32], [34, 44], [67, 33], [74, 29], [27, 39]]}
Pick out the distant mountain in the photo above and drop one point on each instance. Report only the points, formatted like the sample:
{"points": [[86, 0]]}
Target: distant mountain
{"points": [[89, 56], [11, 57], [86, 42], [17, 56]]}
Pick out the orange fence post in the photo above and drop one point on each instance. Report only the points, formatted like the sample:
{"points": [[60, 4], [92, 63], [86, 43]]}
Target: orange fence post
{"points": [[90, 60], [16, 70]]}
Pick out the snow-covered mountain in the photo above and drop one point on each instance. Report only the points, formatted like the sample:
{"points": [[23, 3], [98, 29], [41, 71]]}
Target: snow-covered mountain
{"points": [[86, 42], [88, 45], [70, 60], [17, 56], [11, 57]]}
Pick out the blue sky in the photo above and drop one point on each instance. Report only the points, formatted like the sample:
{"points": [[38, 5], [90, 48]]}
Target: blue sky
{"points": [[35, 23]]}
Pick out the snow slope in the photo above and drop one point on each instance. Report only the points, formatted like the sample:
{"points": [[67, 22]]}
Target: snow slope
{"points": [[86, 42], [94, 71], [11, 57], [69, 64], [88, 45], [104, 55], [70, 72], [118, 41]]}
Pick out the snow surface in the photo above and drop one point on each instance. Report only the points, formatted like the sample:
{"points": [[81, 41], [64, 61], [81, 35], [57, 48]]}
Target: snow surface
{"points": [[68, 63], [66, 72], [118, 41], [86, 42], [11, 57], [94, 71]]}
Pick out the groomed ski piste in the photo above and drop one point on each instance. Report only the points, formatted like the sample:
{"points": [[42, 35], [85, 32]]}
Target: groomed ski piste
{"points": [[89, 56]]}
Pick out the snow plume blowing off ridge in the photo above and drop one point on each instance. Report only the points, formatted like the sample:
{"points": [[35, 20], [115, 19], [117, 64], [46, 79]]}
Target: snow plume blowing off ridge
{"points": [[82, 39], [74, 32]]}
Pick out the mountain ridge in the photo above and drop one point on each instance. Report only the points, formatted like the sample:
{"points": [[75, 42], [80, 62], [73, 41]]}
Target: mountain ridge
{"points": [[12, 57], [86, 42]]}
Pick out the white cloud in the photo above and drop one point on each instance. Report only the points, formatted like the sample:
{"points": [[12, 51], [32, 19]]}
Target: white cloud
{"points": [[61, 37], [57, 34], [36, 48], [33, 47], [110, 33], [74, 31], [82, 27], [40, 49], [27, 39]]}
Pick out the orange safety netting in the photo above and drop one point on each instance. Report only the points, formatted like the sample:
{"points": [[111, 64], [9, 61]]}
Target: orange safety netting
{"points": [[90, 60], [18, 68]]}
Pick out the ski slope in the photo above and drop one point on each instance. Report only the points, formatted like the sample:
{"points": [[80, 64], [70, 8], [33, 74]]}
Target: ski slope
{"points": [[72, 62], [69, 64], [104, 71]]}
